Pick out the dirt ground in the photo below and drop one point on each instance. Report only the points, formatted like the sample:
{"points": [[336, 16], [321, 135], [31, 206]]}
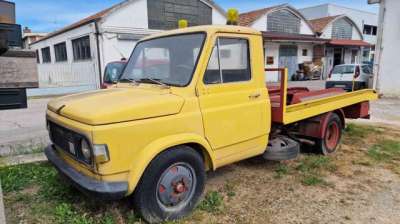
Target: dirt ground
{"points": [[358, 184]]}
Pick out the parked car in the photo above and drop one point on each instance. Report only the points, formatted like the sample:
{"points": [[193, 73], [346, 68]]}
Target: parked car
{"points": [[112, 72], [349, 76]]}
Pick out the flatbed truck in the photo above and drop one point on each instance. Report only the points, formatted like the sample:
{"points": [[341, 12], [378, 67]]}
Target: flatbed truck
{"points": [[204, 106]]}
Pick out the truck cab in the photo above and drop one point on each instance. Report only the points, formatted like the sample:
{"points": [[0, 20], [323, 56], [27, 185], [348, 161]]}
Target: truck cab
{"points": [[202, 105]]}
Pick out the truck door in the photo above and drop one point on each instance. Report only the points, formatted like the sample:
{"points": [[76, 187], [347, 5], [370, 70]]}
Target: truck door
{"points": [[230, 99]]}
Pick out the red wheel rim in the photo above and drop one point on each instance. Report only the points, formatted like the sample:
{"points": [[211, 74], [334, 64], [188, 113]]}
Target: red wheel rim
{"points": [[332, 136]]}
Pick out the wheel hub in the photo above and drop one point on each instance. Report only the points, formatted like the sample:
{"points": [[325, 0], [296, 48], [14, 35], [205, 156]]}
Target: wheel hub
{"points": [[176, 185]]}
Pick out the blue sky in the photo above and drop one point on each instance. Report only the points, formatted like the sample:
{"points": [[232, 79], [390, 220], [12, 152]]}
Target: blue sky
{"points": [[49, 15]]}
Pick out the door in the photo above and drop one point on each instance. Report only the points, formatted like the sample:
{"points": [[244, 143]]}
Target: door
{"points": [[337, 56], [288, 59], [230, 102]]}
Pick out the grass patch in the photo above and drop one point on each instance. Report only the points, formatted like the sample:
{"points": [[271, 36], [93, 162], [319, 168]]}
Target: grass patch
{"points": [[229, 188], [358, 132], [281, 170], [312, 169], [212, 202], [385, 151]]}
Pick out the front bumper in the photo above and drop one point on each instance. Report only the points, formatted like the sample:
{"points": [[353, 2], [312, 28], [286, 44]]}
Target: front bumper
{"points": [[89, 186], [346, 85]]}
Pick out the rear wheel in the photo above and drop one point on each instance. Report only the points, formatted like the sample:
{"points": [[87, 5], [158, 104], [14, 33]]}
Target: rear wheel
{"points": [[171, 185], [331, 139]]}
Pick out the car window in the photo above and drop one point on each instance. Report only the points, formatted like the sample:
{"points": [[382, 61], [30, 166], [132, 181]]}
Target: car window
{"points": [[367, 69], [229, 62], [343, 69]]}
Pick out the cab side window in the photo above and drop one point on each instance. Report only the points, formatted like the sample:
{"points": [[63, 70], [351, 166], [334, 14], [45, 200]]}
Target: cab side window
{"points": [[229, 62]]}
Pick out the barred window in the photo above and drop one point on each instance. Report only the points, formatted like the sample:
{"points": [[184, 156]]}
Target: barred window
{"points": [[81, 48], [60, 50], [283, 21], [46, 57], [342, 29]]}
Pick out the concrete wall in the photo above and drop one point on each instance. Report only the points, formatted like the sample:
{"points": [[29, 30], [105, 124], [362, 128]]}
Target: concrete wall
{"points": [[388, 48]]}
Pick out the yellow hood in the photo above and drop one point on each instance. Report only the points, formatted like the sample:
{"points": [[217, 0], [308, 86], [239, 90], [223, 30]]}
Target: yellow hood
{"points": [[116, 105]]}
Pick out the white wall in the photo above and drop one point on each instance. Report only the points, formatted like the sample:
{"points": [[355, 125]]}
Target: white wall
{"points": [[305, 28], [309, 48], [388, 49], [271, 50], [68, 73], [260, 24]]}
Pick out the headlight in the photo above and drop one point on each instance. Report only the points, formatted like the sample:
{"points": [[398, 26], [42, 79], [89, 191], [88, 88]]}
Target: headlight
{"points": [[85, 149], [100, 153]]}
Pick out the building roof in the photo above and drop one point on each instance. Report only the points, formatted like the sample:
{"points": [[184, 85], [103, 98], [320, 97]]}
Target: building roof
{"points": [[247, 18], [292, 37], [320, 24], [101, 14], [358, 43]]}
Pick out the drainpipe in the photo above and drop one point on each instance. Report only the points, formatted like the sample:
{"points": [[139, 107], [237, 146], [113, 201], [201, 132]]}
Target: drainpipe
{"points": [[379, 46], [97, 34]]}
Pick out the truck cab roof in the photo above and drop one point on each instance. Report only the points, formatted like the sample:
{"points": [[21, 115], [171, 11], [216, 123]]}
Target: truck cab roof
{"points": [[208, 29]]}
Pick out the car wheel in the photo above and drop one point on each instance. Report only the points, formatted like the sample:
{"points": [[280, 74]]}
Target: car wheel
{"points": [[332, 136], [171, 185]]}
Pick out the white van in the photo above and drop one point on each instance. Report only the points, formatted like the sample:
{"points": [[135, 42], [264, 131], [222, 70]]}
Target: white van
{"points": [[342, 76]]}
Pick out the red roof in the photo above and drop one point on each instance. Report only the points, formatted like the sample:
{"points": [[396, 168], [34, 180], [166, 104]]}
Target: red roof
{"points": [[292, 37], [320, 23], [358, 43], [247, 18]]}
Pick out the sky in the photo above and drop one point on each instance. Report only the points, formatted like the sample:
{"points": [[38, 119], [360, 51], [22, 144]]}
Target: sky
{"points": [[50, 15]]}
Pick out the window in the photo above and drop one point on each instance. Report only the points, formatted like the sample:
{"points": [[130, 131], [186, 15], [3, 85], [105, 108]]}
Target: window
{"points": [[46, 57], [342, 29], [305, 52], [233, 68], [283, 21], [81, 48], [37, 57], [370, 30], [270, 60], [170, 60], [60, 50]]}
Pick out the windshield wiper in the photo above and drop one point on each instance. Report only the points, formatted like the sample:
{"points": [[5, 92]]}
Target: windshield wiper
{"points": [[154, 81], [129, 80]]}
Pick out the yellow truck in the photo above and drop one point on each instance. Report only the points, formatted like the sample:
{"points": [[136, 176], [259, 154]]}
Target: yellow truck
{"points": [[189, 100]]}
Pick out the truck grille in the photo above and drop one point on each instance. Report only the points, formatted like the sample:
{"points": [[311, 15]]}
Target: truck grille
{"points": [[67, 140]]}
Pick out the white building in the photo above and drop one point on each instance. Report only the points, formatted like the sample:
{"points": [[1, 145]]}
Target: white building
{"points": [[75, 56], [289, 38], [344, 41], [367, 22], [386, 67], [28, 37]]}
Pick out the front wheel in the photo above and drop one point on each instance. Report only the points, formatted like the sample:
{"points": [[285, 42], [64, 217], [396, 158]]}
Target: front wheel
{"points": [[171, 185], [332, 136]]}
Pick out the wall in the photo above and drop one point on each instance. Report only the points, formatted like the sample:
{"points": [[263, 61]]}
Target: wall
{"points": [[315, 12], [271, 49], [309, 48], [388, 49]]}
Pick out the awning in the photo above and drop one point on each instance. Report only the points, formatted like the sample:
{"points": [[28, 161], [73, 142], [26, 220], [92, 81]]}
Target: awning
{"points": [[275, 36], [356, 43]]}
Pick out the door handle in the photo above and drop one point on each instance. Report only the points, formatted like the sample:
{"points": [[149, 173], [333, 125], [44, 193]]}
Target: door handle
{"points": [[254, 96]]}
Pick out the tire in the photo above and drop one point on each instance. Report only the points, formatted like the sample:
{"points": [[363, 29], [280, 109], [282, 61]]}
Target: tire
{"points": [[332, 136], [171, 185]]}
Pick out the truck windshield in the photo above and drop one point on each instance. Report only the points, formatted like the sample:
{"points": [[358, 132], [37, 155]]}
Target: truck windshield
{"points": [[343, 69], [167, 60]]}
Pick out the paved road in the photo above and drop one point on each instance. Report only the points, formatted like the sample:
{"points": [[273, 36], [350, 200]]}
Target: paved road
{"points": [[21, 130]]}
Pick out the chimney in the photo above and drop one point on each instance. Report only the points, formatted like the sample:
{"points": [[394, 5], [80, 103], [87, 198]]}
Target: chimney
{"points": [[27, 30]]}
